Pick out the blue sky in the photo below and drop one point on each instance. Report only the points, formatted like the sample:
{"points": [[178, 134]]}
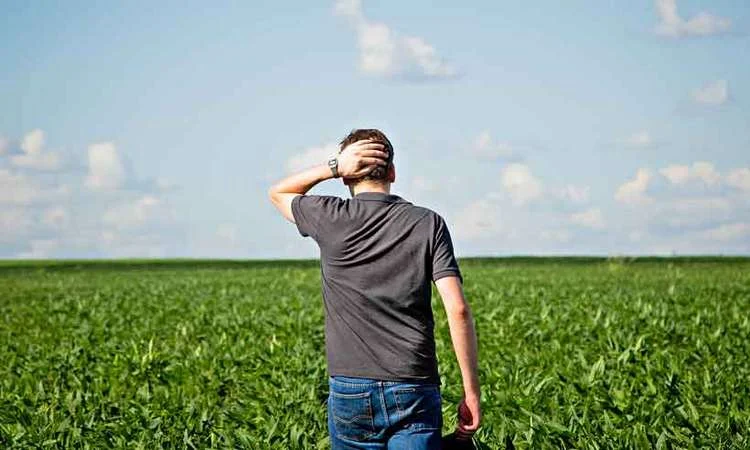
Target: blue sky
{"points": [[140, 129]]}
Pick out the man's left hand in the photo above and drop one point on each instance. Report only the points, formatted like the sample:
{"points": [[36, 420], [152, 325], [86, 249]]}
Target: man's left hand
{"points": [[360, 158]]}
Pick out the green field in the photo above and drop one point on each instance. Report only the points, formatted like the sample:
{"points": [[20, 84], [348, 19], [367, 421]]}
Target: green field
{"points": [[574, 353]]}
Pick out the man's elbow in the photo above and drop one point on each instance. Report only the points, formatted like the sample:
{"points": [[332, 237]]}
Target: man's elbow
{"points": [[273, 194], [459, 310]]}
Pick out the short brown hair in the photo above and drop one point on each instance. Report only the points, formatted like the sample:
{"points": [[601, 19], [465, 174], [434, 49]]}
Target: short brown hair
{"points": [[380, 173]]}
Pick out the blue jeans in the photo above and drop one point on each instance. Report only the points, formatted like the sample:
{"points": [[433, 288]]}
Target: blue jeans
{"points": [[392, 415]]}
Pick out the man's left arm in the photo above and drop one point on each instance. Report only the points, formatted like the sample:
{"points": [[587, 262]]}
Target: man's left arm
{"points": [[355, 161]]}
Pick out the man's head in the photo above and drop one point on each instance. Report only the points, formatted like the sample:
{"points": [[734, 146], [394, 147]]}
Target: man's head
{"points": [[381, 175]]}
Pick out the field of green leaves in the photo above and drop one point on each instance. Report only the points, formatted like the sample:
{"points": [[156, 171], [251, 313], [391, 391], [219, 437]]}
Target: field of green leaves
{"points": [[574, 353]]}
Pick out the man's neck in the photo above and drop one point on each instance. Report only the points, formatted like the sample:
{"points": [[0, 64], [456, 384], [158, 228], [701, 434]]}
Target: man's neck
{"points": [[367, 187]]}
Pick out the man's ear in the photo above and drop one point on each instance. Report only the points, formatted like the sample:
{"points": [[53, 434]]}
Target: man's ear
{"points": [[391, 173]]}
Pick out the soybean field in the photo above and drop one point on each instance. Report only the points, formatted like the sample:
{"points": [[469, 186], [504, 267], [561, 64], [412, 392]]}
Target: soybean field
{"points": [[586, 353]]}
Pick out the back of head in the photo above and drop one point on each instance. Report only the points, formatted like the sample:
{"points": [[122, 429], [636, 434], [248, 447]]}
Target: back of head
{"points": [[380, 174]]}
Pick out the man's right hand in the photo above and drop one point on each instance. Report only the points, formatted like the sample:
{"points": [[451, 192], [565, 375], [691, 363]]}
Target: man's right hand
{"points": [[469, 417], [464, 337]]}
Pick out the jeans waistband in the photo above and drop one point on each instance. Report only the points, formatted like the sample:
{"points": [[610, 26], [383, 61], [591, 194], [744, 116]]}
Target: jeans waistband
{"points": [[369, 381], [354, 380]]}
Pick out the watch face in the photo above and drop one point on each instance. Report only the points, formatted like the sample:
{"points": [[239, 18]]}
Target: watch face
{"points": [[333, 164]]}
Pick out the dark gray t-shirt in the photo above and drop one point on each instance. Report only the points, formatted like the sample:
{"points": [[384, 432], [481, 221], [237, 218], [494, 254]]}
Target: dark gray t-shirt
{"points": [[378, 255]]}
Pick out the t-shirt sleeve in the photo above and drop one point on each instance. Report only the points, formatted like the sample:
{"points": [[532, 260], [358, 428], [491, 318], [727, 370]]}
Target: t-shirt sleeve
{"points": [[444, 262], [314, 214]]}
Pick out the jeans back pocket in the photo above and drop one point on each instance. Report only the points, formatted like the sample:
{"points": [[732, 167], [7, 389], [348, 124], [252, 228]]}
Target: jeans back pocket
{"points": [[352, 415], [419, 407]]}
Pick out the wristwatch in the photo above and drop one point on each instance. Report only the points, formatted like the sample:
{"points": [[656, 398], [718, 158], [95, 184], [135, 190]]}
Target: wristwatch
{"points": [[333, 163]]}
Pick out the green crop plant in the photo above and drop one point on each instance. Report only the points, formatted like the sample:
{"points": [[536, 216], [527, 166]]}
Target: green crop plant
{"points": [[582, 353]]}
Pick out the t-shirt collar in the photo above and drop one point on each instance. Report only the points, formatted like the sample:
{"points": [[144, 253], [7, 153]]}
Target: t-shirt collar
{"points": [[379, 196]]}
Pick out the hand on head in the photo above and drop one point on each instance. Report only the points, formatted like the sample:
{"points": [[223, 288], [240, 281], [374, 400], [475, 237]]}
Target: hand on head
{"points": [[358, 159]]}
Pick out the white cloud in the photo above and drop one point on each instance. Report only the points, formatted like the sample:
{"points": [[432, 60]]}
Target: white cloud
{"points": [[106, 171], [425, 59], [38, 219], [55, 217], [639, 140], [699, 205], [555, 235], [689, 220], [351, 9], [423, 184], [33, 156], [377, 49], [40, 161], [706, 172], [132, 215], [119, 245], [676, 174], [700, 170], [694, 211], [20, 189], [591, 218], [636, 236], [40, 249], [13, 222], [227, 232], [4, 145], [386, 53], [164, 184], [520, 183], [728, 232], [712, 94], [16, 188], [33, 142], [575, 194], [633, 192], [483, 141], [702, 24], [739, 178], [477, 220], [310, 157], [484, 147]]}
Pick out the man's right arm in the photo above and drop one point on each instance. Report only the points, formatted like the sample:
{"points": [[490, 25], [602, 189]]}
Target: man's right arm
{"points": [[464, 337]]}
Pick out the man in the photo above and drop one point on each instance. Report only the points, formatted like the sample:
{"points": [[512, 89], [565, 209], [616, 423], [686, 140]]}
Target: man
{"points": [[378, 255]]}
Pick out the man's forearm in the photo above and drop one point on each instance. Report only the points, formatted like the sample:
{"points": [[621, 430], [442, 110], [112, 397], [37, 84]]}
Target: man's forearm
{"points": [[282, 193], [302, 182], [354, 161], [464, 339]]}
